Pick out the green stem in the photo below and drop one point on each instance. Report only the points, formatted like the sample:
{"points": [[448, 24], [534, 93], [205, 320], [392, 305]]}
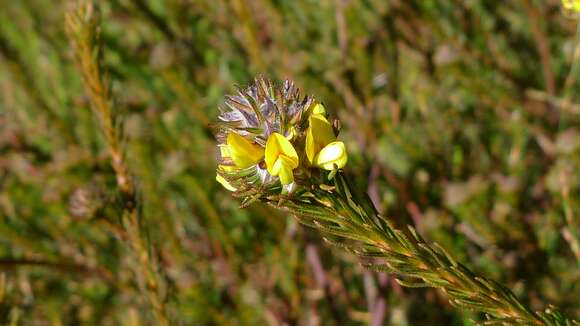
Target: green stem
{"points": [[344, 213]]}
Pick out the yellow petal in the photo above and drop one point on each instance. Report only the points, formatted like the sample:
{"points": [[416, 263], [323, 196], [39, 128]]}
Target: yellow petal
{"points": [[331, 154], [310, 147], [276, 146], [283, 168], [286, 175], [276, 167], [573, 5], [319, 109], [242, 151], [318, 135], [224, 183]]}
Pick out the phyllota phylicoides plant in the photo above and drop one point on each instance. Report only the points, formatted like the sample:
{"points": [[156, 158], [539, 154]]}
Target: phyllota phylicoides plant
{"points": [[282, 149], [274, 142]]}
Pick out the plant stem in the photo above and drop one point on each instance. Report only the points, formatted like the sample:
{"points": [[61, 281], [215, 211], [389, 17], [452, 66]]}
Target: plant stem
{"points": [[83, 29], [347, 215]]}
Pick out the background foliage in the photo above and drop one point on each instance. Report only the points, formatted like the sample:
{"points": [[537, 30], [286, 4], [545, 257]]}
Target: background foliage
{"points": [[461, 118]]}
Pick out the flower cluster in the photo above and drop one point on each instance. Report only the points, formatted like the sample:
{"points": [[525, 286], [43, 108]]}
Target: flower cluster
{"points": [[272, 140], [281, 149]]}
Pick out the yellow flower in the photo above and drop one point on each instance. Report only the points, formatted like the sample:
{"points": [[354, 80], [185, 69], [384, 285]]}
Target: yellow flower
{"points": [[573, 5], [281, 158], [322, 149], [242, 151]]}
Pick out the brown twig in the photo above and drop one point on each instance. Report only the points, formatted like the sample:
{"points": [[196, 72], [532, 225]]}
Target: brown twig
{"points": [[84, 31]]}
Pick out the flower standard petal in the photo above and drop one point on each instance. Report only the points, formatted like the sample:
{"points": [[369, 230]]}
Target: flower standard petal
{"points": [[276, 146], [332, 154], [310, 146], [288, 151], [242, 151], [271, 154]]}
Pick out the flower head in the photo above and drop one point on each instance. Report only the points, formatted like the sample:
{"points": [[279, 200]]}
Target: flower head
{"points": [[274, 141]]}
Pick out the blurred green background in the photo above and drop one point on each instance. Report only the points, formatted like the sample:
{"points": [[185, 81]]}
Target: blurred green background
{"points": [[462, 118]]}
